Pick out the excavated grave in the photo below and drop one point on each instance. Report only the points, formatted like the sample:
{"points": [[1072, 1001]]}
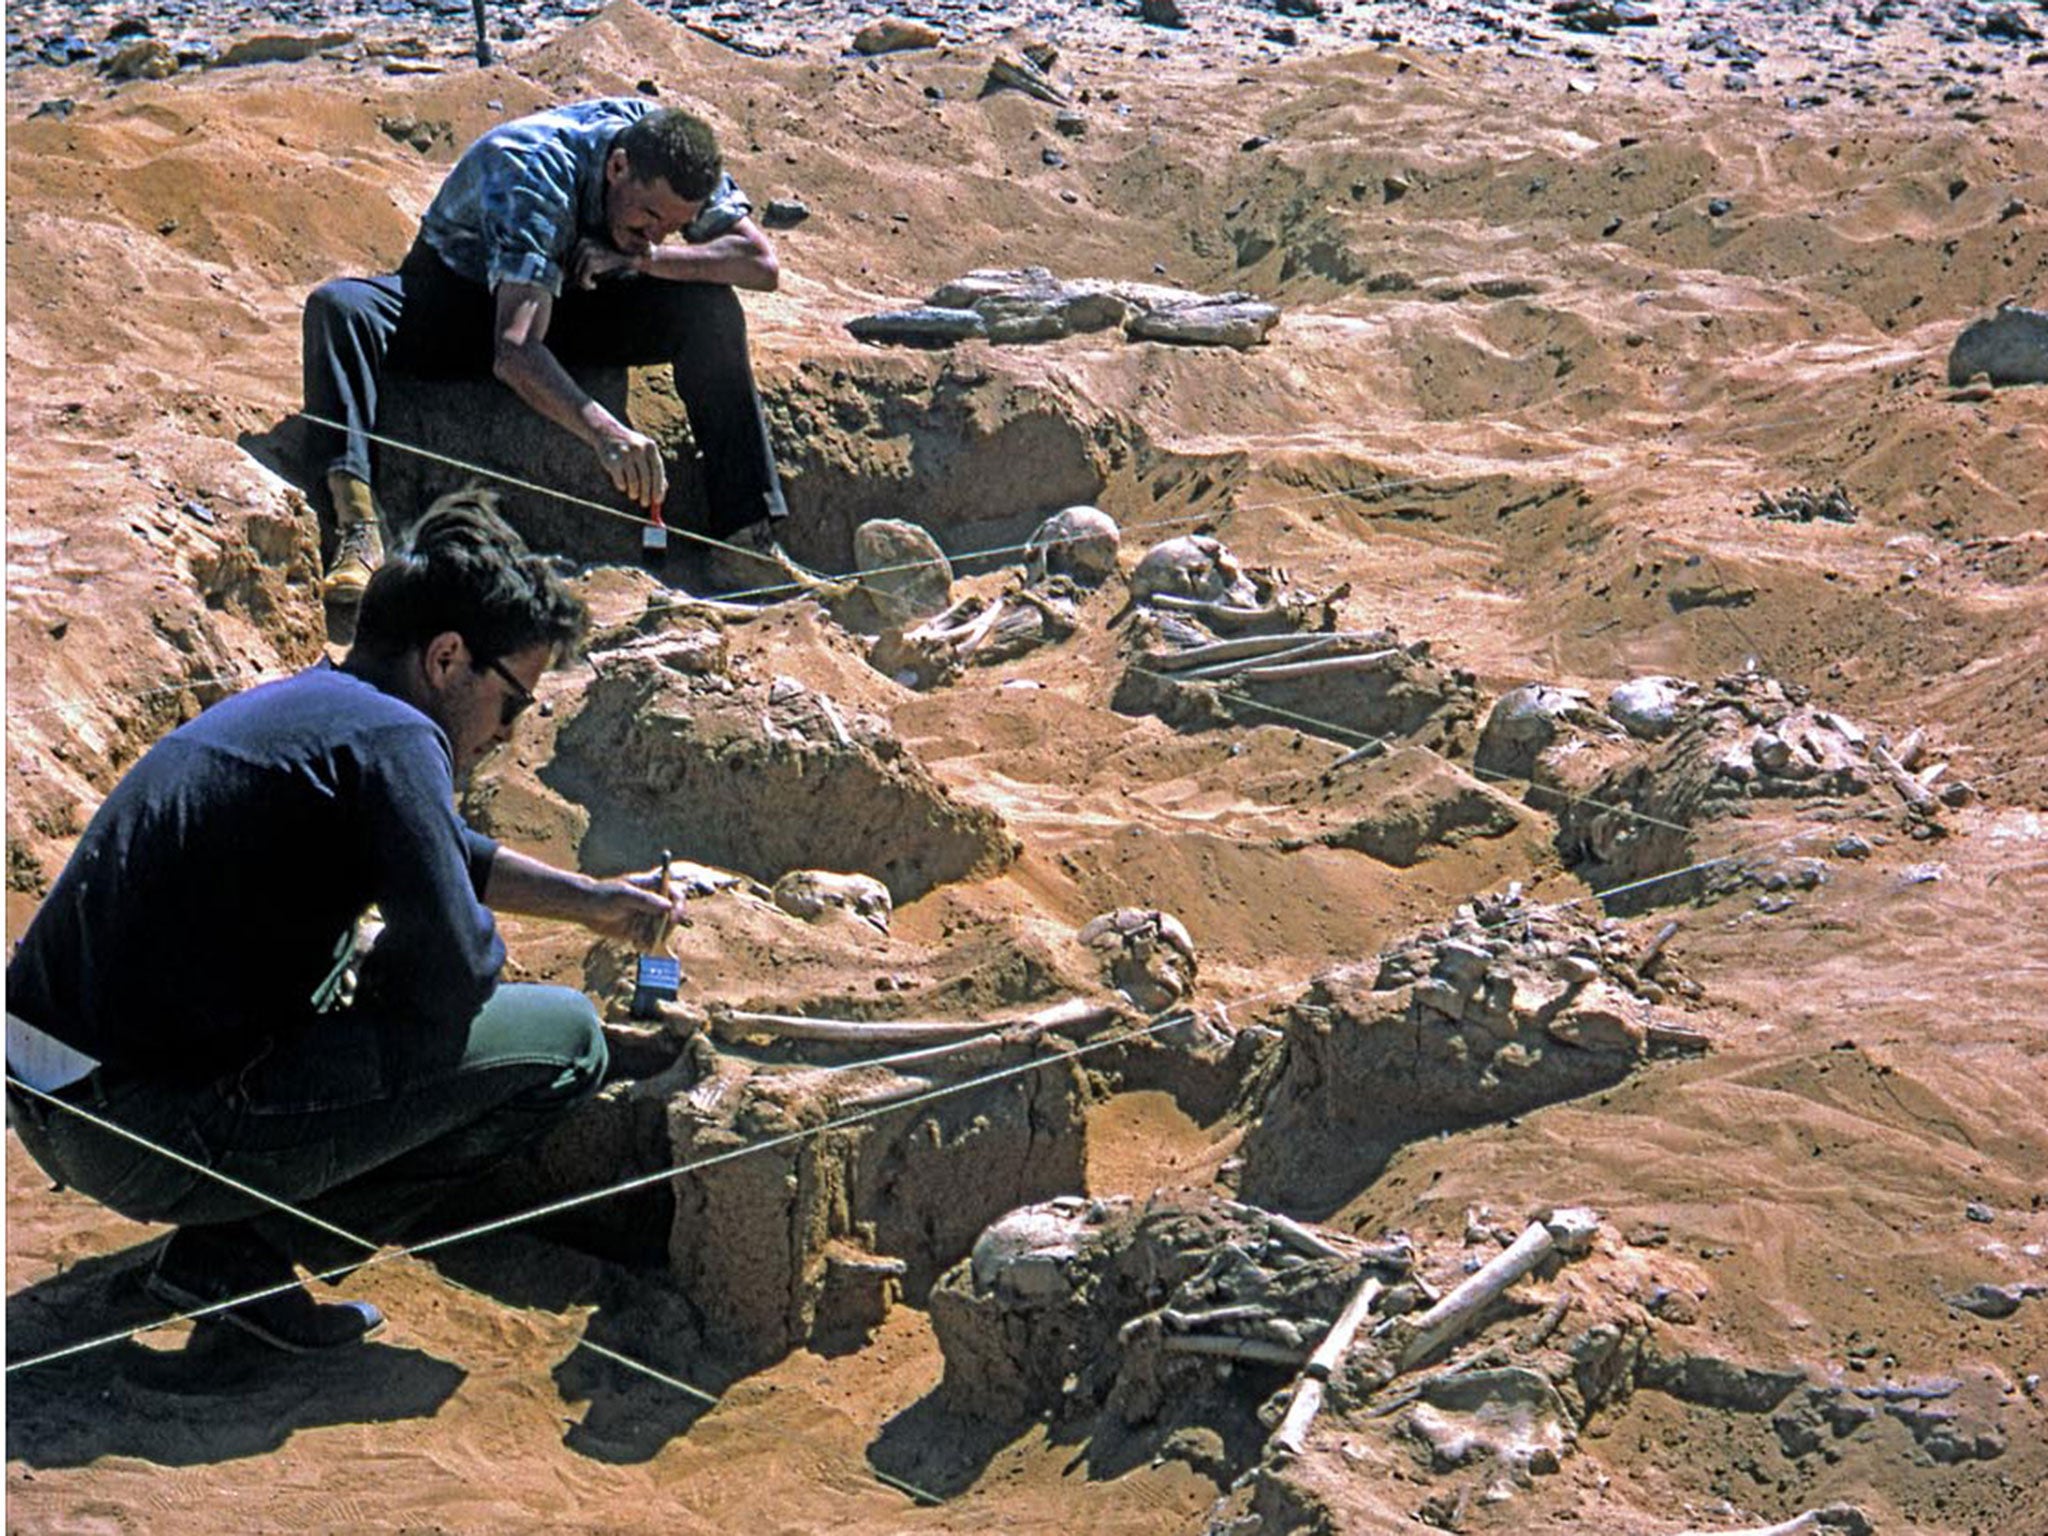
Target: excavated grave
{"points": [[1656, 786], [1509, 1006]]}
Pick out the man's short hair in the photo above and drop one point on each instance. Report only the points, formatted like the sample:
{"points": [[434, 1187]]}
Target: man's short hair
{"points": [[673, 146], [464, 570]]}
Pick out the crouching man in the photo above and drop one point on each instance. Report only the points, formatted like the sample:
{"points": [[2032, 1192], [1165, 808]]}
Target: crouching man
{"points": [[193, 977]]}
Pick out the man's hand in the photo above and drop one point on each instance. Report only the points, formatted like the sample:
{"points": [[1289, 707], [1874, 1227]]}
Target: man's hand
{"points": [[593, 260], [633, 461], [632, 911]]}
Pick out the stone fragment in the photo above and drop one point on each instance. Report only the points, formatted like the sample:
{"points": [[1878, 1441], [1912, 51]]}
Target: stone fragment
{"points": [[893, 34], [903, 570], [1241, 325], [1018, 73], [785, 212], [279, 48], [1162, 13], [1650, 708], [1523, 723], [2010, 347], [145, 59]]}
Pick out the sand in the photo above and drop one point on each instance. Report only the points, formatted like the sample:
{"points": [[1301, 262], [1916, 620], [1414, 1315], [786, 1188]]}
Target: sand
{"points": [[1551, 325]]}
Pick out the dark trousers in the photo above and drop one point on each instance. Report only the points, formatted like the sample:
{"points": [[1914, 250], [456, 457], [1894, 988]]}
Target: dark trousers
{"points": [[426, 321], [359, 1120]]}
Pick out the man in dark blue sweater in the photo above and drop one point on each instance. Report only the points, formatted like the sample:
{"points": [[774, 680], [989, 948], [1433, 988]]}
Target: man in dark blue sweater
{"points": [[194, 976]]}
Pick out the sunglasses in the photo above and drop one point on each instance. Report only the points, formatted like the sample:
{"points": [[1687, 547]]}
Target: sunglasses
{"points": [[517, 701]]}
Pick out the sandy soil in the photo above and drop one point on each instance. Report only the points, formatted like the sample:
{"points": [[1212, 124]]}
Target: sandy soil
{"points": [[1557, 308]]}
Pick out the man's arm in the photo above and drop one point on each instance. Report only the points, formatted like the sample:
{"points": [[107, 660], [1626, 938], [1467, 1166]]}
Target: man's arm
{"points": [[742, 257], [618, 909], [522, 360]]}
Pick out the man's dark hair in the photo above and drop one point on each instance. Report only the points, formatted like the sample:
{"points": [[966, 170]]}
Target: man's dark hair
{"points": [[464, 570], [673, 146]]}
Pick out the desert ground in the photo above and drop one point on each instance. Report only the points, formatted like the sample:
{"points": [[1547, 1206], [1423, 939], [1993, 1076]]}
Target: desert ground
{"points": [[1610, 344]]}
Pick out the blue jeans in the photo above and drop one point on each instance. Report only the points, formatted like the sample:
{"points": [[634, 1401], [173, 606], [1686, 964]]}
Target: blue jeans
{"points": [[359, 1120], [429, 322]]}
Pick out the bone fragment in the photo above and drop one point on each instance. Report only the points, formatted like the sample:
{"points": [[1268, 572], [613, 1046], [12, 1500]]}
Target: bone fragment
{"points": [[1208, 605], [1656, 946], [1013, 1034], [1458, 1312], [978, 632], [1308, 1391], [708, 1097], [1228, 1346], [1075, 1011], [1291, 648], [831, 713], [1910, 789], [1909, 749], [1228, 650], [1357, 754], [1547, 1324], [1189, 1322], [1798, 1525], [1368, 661], [1301, 1238]]}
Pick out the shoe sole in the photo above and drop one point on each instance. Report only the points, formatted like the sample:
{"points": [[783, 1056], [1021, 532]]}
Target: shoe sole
{"points": [[173, 1294]]}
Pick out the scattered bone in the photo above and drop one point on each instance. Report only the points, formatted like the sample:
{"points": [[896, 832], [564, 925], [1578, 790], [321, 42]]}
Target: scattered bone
{"points": [[1508, 1006], [1292, 1434], [1079, 542], [1629, 815], [1460, 1311], [918, 326], [1845, 1518], [892, 34], [1147, 956], [1651, 708], [979, 631], [815, 893]]}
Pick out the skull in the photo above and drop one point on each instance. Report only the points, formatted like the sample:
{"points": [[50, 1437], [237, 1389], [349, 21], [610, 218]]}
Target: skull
{"points": [[814, 893], [1080, 542], [1193, 566], [1147, 956]]}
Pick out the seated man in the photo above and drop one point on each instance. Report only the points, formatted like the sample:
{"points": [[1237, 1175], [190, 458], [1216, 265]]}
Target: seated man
{"points": [[188, 978], [551, 243]]}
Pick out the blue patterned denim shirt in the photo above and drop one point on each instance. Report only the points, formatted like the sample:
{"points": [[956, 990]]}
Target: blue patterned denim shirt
{"points": [[513, 207]]}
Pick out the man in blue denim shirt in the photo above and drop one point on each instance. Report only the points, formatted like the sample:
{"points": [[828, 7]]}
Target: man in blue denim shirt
{"points": [[603, 233], [187, 979]]}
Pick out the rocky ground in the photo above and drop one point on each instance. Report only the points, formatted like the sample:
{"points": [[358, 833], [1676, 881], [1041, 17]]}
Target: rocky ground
{"points": [[1610, 346]]}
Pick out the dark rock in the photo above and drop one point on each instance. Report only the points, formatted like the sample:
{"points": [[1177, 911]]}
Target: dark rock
{"points": [[925, 326], [1713, 1382], [127, 27], [2011, 347], [1161, 13], [785, 212]]}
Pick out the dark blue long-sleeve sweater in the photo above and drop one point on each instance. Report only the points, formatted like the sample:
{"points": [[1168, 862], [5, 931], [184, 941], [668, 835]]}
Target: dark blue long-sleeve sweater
{"points": [[204, 905]]}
